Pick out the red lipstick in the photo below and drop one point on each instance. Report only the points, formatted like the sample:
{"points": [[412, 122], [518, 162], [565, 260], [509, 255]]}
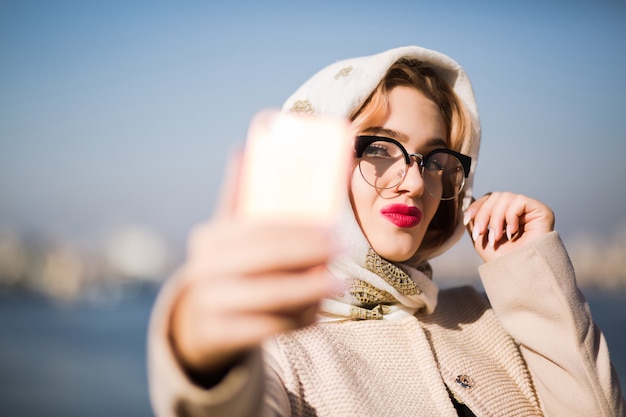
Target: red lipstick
{"points": [[402, 215]]}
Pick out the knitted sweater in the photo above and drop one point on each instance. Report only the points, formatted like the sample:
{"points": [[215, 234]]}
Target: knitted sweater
{"points": [[532, 350], [407, 366]]}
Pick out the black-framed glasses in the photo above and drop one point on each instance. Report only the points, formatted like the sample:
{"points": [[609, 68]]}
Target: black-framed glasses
{"points": [[384, 162]]}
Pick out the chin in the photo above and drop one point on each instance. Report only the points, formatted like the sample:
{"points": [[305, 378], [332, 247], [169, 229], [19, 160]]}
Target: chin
{"points": [[401, 259], [396, 255], [400, 247], [395, 245]]}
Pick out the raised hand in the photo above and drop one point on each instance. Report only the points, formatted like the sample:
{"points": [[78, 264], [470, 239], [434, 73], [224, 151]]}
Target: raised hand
{"points": [[502, 222], [244, 282]]}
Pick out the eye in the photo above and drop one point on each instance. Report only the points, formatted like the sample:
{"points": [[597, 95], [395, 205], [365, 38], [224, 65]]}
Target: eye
{"points": [[436, 161], [382, 150]]}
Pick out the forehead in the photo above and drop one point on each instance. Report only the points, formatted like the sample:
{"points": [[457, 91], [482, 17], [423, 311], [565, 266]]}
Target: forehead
{"points": [[412, 119]]}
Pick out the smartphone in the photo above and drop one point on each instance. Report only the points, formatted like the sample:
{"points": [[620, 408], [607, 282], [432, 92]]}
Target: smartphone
{"points": [[295, 168]]}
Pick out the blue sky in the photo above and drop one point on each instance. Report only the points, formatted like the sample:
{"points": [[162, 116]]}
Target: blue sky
{"points": [[119, 111]]}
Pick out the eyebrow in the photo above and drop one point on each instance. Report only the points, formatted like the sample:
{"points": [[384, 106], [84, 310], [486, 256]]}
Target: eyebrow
{"points": [[401, 137]]}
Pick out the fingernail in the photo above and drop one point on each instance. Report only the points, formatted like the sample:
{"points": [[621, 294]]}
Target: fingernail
{"points": [[492, 237], [508, 232], [466, 218], [475, 232]]}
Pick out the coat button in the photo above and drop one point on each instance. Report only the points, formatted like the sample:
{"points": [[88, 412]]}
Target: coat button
{"points": [[465, 381]]}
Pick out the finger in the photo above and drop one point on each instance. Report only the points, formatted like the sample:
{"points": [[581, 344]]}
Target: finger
{"points": [[240, 332], [227, 199], [482, 216], [514, 217], [468, 216], [269, 294], [475, 205], [233, 248], [470, 212], [497, 219], [211, 340]]}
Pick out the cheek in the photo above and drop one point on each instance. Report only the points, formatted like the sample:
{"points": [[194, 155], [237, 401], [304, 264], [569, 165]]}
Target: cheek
{"points": [[359, 199], [430, 208]]}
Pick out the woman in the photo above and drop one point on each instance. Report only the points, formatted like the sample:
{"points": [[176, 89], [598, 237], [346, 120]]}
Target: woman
{"points": [[256, 326]]}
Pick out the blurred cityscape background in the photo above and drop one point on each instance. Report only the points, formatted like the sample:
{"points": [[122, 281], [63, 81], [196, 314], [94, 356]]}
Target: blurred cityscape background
{"points": [[133, 255], [117, 118]]}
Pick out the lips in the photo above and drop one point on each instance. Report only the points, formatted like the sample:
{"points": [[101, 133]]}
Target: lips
{"points": [[402, 215]]}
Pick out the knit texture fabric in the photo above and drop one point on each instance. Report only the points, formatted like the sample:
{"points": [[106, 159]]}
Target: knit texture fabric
{"points": [[407, 367]]}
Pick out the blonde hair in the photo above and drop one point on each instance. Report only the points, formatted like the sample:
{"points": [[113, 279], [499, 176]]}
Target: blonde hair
{"points": [[416, 74]]}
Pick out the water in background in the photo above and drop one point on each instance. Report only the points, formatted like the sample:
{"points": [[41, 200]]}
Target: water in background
{"points": [[89, 359]]}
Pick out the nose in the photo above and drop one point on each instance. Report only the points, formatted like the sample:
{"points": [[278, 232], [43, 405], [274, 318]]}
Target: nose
{"points": [[413, 182]]}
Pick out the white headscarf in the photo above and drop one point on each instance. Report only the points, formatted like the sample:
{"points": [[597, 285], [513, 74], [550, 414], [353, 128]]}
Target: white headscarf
{"points": [[339, 90]]}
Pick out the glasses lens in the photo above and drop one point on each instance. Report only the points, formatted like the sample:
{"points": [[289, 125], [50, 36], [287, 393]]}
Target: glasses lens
{"points": [[443, 175], [382, 165]]}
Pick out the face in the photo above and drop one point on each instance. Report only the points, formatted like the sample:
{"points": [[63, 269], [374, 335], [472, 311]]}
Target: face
{"points": [[395, 220]]}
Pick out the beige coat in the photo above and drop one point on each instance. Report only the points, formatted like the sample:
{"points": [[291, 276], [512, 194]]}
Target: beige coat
{"points": [[532, 350]]}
